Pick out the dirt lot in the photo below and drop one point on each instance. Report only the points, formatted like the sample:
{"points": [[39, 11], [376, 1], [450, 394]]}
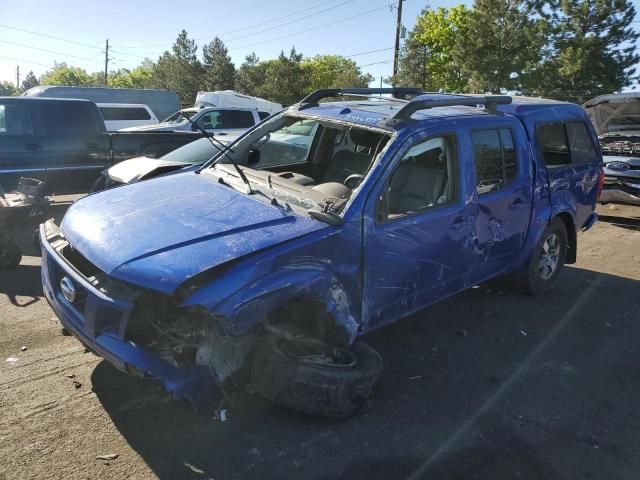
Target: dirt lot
{"points": [[487, 385]]}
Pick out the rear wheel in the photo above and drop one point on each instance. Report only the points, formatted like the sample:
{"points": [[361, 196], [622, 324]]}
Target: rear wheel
{"points": [[540, 274], [10, 254], [310, 376]]}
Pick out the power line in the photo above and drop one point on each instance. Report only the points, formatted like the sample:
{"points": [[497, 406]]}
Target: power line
{"points": [[309, 29], [375, 63], [370, 51], [49, 51], [289, 23], [48, 36], [24, 61]]}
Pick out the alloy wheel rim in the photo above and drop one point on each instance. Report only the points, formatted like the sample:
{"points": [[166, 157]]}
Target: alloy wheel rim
{"points": [[549, 257]]}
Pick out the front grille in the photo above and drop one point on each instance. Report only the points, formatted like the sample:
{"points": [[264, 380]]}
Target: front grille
{"points": [[57, 274]]}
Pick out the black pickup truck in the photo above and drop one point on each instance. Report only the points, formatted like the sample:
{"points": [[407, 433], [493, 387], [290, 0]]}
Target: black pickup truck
{"points": [[64, 143]]}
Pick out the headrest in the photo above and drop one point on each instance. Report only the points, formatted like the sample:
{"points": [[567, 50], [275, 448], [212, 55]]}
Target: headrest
{"points": [[365, 138]]}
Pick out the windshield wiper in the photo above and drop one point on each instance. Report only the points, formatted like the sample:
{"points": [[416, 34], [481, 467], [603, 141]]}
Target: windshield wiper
{"points": [[224, 150]]}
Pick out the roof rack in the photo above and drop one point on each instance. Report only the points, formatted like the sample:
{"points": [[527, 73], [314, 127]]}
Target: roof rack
{"points": [[312, 99], [490, 103]]}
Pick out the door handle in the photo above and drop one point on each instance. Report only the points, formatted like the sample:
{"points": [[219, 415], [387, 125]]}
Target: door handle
{"points": [[32, 147], [458, 220], [518, 202]]}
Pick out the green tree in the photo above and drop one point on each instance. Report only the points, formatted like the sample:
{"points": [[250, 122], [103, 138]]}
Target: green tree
{"points": [[139, 77], [63, 74], [286, 81], [412, 65], [333, 71], [180, 70], [30, 81], [504, 41], [219, 71], [592, 50], [251, 75], [8, 89]]}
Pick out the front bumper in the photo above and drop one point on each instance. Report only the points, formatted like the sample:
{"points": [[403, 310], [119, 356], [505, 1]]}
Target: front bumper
{"points": [[99, 321], [621, 190]]}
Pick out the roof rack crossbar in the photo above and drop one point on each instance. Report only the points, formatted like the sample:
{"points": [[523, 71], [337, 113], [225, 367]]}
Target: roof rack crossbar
{"points": [[313, 98], [490, 103]]}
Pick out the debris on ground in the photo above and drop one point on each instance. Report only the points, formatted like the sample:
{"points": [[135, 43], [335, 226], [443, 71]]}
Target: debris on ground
{"points": [[523, 333], [23, 348], [613, 207], [193, 468], [77, 384], [12, 359], [70, 375], [107, 456], [462, 333], [416, 377]]}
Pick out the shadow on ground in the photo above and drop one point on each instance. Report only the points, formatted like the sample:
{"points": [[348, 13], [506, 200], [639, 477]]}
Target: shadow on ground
{"points": [[630, 223], [488, 384]]}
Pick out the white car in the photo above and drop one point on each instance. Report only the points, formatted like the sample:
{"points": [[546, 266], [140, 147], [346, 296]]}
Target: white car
{"points": [[124, 115]]}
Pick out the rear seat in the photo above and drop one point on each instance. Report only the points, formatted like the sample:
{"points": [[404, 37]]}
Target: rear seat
{"points": [[419, 182]]}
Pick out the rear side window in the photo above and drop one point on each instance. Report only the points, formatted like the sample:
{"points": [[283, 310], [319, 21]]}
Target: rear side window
{"points": [[124, 113], [263, 115], [495, 159], [67, 119], [15, 120], [553, 143], [582, 149], [237, 119]]}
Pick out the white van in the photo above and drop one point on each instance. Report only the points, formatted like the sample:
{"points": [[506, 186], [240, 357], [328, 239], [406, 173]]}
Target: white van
{"points": [[231, 99], [124, 115]]}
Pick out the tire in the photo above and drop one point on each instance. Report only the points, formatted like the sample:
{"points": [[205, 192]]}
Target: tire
{"points": [[10, 254], [313, 388], [535, 278], [99, 185]]}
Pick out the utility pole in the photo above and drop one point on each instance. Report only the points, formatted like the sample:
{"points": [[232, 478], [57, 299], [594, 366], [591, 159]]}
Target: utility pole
{"points": [[106, 62], [18, 76], [396, 51]]}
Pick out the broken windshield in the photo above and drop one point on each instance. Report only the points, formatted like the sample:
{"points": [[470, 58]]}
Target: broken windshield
{"points": [[180, 117], [308, 162]]}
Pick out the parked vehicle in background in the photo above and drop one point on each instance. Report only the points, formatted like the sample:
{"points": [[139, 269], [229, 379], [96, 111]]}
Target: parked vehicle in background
{"points": [[145, 168], [266, 264], [229, 98], [162, 102], [616, 118], [65, 144], [226, 114], [117, 116]]}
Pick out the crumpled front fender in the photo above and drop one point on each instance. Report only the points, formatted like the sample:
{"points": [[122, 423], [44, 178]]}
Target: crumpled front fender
{"points": [[251, 305]]}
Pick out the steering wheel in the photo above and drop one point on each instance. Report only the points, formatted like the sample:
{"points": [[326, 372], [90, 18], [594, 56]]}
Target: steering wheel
{"points": [[354, 180]]}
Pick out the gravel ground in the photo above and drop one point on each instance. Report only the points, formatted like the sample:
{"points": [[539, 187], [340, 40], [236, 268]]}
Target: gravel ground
{"points": [[521, 388]]}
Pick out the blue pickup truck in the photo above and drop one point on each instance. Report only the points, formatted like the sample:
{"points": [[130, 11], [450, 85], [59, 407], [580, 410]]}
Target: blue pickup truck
{"points": [[263, 266]]}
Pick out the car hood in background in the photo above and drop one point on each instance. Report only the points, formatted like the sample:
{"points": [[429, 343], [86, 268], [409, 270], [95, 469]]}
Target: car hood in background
{"points": [[135, 169], [158, 234], [603, 109]]}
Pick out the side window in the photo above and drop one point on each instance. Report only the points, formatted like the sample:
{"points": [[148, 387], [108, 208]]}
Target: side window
{"points": [[124, 113], [425, 177], [67, 119], [263, 115], [495, 159], [553, 144], [237, 119], [582, 150], [15, 120]]}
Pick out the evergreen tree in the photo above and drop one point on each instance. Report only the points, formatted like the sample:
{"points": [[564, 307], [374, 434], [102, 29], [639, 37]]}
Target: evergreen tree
{"points": [[219, 70], [503, 45], [592, 51], [250, 76], [286, 81], [180, 70], [30, 81]]}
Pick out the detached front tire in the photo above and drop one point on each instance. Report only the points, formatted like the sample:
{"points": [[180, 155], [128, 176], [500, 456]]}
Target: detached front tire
{"points": [[312, 377], [541, 272]]}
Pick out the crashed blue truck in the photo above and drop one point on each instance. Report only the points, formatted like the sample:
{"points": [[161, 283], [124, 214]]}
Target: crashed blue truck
{"points": [[264, 266]]}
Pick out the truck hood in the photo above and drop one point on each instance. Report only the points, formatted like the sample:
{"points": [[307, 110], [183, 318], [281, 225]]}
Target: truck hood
{"points": [[617, 113], [160, 233], [135, 169], [158, 127]]}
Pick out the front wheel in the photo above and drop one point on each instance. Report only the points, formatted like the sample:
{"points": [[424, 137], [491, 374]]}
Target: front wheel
{"points": [[541, 272]]}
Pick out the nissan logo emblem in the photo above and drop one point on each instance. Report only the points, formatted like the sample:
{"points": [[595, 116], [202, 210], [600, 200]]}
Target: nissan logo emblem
{"points": [[619, 166], [68, 289]]}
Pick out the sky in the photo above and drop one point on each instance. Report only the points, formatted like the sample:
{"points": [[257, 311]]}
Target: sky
{"points": [[34, 34]]}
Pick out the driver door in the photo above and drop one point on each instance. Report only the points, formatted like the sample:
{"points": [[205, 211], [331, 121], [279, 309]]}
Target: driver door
{"points": [[415, 232]]}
